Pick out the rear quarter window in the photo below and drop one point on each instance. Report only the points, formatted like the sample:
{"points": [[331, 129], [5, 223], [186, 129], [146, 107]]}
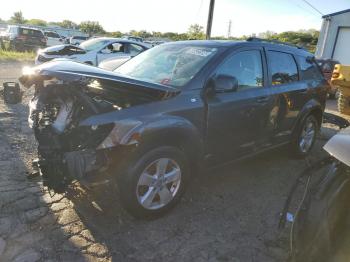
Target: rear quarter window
{"points": [[283, 68], [308, 69]]}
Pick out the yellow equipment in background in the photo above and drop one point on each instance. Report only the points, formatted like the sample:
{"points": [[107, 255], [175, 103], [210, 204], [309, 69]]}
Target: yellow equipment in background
{"points": [[341, 78]]}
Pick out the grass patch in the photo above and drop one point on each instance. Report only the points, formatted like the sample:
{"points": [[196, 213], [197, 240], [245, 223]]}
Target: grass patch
{"points": [[6, 55]]}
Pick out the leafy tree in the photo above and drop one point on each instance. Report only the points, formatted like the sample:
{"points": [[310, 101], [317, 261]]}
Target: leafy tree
{"points": [[116, 34], [37, 22], [91, 27], [196, 31], [68, 24], [17, 18]]}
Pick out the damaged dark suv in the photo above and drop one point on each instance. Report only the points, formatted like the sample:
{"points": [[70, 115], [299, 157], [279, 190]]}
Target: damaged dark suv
{"points": [[148, 126]]}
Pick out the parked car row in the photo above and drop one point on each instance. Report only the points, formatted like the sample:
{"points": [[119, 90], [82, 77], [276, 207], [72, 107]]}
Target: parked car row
{"points": [[24, 38], [170, 111]]}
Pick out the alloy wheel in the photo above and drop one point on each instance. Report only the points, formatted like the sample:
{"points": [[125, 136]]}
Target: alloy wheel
{"points": [[307, 136], [159, 183]]}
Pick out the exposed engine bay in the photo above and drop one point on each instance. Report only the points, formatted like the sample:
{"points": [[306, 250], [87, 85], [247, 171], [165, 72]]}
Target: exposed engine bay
{"points": [[67, 148]]}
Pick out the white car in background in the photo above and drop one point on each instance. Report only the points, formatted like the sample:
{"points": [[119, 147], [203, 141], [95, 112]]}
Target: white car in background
{"points": [[53, 38], [92, 51], [114, 62], [77, 40]]}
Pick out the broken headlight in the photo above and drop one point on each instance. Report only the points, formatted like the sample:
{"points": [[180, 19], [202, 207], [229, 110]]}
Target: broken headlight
{"points": [[122, 134]]}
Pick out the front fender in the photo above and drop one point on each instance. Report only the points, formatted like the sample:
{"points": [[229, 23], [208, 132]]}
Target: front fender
{"points": [[162, 130]]}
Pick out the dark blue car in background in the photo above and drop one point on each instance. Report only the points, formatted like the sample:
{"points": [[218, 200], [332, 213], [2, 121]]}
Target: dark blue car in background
{"points": [[150, 124]]}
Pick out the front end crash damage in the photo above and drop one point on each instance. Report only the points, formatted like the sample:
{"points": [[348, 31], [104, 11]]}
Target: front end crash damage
{"points": [[80, 117]]}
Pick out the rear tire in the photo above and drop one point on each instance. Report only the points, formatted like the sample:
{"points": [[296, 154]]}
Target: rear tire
{"points": [[305, 137], [153, 182], [344, 104]]}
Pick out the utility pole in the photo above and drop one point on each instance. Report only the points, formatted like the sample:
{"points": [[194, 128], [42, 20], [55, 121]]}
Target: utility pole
{"points": [[210, 19], [229, 29]]}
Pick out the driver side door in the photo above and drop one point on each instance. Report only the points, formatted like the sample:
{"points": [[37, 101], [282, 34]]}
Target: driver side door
{"points": [[238, 121]]}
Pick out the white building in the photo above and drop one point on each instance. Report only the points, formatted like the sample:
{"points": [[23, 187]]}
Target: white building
{"points": [[334, 40]]}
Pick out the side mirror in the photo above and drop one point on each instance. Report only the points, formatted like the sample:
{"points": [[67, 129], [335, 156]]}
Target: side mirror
{"points": [[225, 83]]}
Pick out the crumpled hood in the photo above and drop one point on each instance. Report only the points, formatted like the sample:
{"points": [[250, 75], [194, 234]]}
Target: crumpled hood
{"points": [[339, 146], [63, 50], [71, 72]]}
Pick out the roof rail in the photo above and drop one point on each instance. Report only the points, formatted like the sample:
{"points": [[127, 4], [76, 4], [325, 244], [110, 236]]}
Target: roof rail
{"points": [[256, 39]]}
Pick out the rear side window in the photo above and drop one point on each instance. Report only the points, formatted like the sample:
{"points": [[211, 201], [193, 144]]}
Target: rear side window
{"points": [[30, 32], [309, 70], [246, 67], [52, 34], [135, 49], [80, 37], [283, 68]]}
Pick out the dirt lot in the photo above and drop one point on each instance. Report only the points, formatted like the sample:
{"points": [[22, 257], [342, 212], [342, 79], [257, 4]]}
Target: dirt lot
{"points": [[229, 214]]}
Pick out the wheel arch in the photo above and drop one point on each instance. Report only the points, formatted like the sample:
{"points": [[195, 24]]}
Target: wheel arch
{"points": [[313, 107], [174, 132]]}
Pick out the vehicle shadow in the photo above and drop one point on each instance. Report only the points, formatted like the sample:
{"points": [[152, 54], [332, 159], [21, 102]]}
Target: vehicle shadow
{"points": [[229, 213]]}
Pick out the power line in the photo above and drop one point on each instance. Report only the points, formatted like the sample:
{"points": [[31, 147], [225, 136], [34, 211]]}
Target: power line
{"points": [[318, 11], [199, 9], [303, 8]]}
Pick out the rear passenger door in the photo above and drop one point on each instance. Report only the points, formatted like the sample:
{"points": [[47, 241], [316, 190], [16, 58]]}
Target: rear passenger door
{"points": [[290, 94]]}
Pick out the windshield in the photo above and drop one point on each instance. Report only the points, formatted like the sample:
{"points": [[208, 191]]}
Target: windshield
{"points": [[93, 44], [173, 65]]}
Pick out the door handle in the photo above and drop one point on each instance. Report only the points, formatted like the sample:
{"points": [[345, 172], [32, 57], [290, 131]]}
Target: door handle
{"points": [[262, 99]]}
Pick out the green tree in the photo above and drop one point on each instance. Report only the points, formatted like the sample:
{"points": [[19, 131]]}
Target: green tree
{"points": [[68, 24], [91, 27], [116, 34], [37, 22], [17, 18], [196, 31]]}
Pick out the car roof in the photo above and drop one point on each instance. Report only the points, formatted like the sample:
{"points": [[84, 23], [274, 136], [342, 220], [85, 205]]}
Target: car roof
{"points": [[26, 27], [231, 43], [113, 39]]}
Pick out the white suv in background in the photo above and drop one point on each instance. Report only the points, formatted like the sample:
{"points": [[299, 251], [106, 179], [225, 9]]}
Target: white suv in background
{"points": [[77, 40], [53, 38]]}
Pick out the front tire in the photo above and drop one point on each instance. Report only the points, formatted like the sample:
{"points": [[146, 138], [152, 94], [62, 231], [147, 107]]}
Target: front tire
{"points": [[305, 137], [154, 182]]}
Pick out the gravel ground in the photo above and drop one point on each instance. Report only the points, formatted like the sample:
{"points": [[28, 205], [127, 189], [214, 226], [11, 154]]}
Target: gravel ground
{"points": [[228, 214]]}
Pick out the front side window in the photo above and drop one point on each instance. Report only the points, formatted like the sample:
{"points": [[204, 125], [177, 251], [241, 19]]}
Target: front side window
{"points": [[52, 34], [170, 64], [93, 44], [309, 70], [246, 67], [283, 68]]}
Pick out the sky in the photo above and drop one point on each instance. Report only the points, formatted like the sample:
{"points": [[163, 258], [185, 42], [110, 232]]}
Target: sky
{"points": [[247, 16]]}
